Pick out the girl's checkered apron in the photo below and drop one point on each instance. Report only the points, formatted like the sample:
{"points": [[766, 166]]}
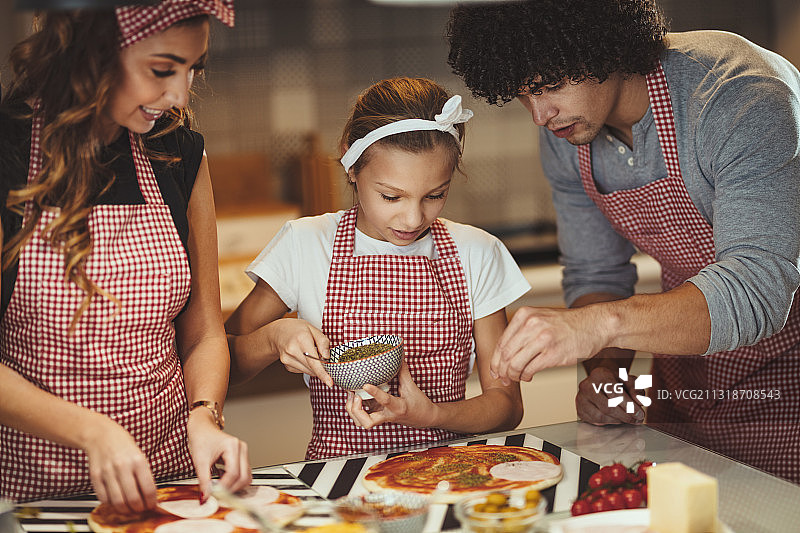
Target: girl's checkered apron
{"points": [[424, 301], [120, 361], [661, 220]]}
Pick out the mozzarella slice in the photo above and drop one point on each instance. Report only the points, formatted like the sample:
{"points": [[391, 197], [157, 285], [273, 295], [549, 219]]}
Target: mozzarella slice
{"points": [[241, 519], [191, 508], [282, 513], [279, 513], [259, 495], [525, 471], [206, 525]]}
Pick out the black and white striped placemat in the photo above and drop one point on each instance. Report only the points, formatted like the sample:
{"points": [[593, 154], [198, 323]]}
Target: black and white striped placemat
{"points": [[70, 514], [334, 478]]}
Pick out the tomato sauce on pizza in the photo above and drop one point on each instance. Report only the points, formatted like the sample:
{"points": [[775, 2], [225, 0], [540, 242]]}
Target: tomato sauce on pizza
{"points": [[466, 469]]}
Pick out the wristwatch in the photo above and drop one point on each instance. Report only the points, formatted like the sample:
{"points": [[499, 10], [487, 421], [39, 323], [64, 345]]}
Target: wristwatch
{"points": [[213, 407]]}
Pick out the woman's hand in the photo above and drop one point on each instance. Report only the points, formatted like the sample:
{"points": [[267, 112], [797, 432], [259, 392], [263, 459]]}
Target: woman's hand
{"points": [[411, 408], [119, 470], [209, 445], [298, 344]]}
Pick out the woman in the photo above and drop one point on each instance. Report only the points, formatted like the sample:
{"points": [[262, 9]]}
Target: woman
{"points": [[107, 229]]}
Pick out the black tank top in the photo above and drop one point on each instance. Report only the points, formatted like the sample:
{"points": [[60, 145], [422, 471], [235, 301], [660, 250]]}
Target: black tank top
{"points": [[175, 180]]}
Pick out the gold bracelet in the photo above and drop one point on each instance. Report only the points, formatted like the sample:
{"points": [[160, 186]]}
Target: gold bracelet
{"points": [[219, 419]]}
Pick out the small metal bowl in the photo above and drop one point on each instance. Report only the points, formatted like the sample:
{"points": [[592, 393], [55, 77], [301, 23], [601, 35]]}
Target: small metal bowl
{"points": [[375, 369]]}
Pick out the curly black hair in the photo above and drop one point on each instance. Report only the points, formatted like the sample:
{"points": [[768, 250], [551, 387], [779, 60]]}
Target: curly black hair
{"points": [[498, 49]]}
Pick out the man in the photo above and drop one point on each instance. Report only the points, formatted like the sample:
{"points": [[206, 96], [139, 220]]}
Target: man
{"points": [[687, 147]]}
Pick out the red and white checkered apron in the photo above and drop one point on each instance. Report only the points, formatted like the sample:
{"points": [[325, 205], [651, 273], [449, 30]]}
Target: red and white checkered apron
{"points": [[661, 220], [119, 361], [424, 301]]}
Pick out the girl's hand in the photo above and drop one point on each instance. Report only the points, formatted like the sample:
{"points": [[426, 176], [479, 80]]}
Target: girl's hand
{"points": [[411, 408], [298, 343], [209, 445], [119, 471]]}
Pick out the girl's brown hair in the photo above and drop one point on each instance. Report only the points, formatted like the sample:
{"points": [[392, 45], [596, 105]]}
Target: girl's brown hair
{"points": [[69, 66], [396, 99]]}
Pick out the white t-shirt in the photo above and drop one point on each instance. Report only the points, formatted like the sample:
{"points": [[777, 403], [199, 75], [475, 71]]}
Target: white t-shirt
{"points": [[297, 260]]}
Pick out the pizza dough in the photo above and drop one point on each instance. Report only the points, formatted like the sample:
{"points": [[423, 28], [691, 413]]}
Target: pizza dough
{"points": [[277, 506], [467, 469]]}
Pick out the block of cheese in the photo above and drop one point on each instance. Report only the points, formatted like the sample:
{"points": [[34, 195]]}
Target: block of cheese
{"points": [[681, 499]]}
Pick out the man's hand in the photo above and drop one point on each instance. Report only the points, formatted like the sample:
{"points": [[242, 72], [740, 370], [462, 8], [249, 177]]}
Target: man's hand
{"points": [[591, 402], [538, 338]]}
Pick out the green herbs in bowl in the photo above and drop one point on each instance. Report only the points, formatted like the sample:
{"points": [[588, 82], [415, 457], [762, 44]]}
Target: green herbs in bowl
{"points": [[374, 360]]}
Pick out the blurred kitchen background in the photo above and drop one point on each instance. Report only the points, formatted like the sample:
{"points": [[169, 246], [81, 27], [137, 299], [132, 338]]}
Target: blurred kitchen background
{"points": [[277, 91]]}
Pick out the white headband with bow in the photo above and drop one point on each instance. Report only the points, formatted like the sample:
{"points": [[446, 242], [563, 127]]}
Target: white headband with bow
{"points": [[445, 121]]}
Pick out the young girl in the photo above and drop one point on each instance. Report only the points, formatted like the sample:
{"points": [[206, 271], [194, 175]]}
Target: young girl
{"points": [[108, 228], [388, 265]]}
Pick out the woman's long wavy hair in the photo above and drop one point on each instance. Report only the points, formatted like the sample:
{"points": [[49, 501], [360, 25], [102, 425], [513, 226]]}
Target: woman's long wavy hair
{"points": [[69, 66], [397, 99]]}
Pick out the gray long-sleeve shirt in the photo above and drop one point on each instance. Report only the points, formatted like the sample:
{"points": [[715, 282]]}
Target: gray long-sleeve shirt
{"points": [[737, 119]]}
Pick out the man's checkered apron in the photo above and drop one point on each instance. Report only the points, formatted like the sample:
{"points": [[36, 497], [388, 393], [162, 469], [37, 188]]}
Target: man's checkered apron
{"points": [[119, 361], [424, 301], [661, 220]]}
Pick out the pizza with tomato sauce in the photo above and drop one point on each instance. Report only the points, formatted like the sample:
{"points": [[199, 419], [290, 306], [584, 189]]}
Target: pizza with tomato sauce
{"points": [[467, 469], [179, 510]]}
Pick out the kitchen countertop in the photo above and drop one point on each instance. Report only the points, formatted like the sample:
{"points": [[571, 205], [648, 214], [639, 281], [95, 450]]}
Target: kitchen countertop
{"points": [[750, 501]]}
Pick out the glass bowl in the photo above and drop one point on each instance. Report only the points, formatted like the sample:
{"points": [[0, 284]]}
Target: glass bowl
{"points": [[501, 511], [393, 511]]}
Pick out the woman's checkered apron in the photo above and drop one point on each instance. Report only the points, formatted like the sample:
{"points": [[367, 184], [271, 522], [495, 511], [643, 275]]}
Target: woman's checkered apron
{"points": [[661, 220], [424, 301], [119, 361]]}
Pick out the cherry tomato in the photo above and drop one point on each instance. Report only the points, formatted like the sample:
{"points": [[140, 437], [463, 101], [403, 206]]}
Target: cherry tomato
{"points": [[643, 490], [634, 477], [633, 498], [606, 473], [617, 474], [594, 496], [580, 507], [642, 470], [596, 480], [601, 505], [615, 501]]}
